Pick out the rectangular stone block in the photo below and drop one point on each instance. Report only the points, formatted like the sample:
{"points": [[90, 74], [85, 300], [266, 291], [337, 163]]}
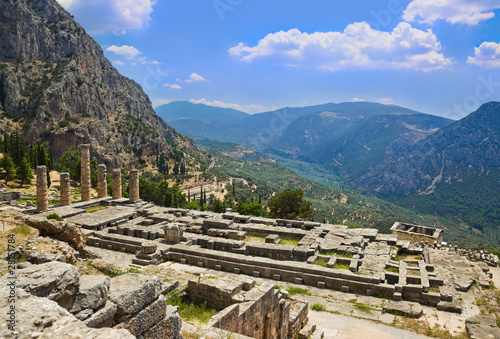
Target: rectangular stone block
{"points": [[321, 284], [218, 267], [298, 280], [344, 289], [276, 277], [236, 270], [256, 274], [397, 296]]}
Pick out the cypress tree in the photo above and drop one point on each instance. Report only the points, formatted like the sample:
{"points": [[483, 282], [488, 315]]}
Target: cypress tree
{"points": [[24, 172]]}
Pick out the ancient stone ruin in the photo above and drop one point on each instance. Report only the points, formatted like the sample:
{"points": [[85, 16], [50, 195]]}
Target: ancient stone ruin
{"points": [[407, 268]]}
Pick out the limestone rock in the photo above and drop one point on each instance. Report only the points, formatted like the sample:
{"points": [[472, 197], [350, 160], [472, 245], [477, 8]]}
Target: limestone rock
{"points": [[131, 292], [42, 318], [83, 84], [482, 327], [173, 233], [148, 247], [404, 308], [43, 257], [450, 306], [146, 318], [102, 317], [93, 292], [54, 280]]}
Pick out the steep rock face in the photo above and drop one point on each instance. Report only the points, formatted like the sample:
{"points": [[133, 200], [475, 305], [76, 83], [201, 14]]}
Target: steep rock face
{"points": [[56, 85], [466, 148]]}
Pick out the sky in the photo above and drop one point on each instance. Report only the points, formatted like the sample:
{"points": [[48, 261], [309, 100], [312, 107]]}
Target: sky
{"points": [[437, 57]]}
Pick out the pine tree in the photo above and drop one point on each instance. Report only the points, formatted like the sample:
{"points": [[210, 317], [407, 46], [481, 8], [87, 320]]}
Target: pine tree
{"points": [[8, 167], [175, 170], [23, 172]]}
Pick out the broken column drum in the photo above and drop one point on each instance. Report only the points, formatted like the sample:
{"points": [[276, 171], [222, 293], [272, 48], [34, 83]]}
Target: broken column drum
{"points": [[102, 184], [85, 175], [117, 183], [133, 191], [42, 199], [65, 198]]}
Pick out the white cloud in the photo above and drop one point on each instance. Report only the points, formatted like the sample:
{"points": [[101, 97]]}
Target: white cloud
{"points": [[357, 100], [117, 16], [487, 55], [118, 63], [468, 12], [195, 77], [358, 47], [251, 108], [385, 101], [172, 86], [129, 52]]}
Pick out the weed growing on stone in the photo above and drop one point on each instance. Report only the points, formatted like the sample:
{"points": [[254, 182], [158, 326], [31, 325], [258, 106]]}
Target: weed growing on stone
{"points": [[298, 290], [318, 307], [54, 216]]}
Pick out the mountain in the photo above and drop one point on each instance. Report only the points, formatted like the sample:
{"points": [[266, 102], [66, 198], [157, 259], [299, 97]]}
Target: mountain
{"points": [[355, 136], [205, 122], [56, 85], [467, 148]]}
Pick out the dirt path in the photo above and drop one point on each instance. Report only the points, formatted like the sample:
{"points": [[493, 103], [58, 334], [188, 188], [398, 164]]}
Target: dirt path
{"points": [[336, 326]]}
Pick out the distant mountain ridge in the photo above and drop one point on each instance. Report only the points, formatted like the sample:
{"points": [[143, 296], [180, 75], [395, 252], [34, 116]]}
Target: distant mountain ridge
{"points": [[467, 148]]}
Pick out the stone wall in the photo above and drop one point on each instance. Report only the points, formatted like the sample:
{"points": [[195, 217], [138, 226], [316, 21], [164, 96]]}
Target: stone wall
{"points": [[254, 311], [417, 233]]}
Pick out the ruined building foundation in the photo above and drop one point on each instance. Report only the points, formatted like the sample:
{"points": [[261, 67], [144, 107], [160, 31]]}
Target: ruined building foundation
{"points": [[134, 185], [42, 199], [85, 176], [65, 198], [102, 189], [117, 183]]}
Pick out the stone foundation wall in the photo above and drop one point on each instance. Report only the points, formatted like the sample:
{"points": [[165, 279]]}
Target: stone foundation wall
{"points": [[266, 315]]}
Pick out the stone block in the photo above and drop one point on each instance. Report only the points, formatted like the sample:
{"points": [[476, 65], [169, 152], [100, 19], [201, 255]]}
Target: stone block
{"points": [[131, 292], [93, 292]]}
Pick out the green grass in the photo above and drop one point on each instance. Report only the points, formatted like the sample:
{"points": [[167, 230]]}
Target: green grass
{"points": [[193, 312], [344, 255], [361, 307], [341, 266], [413, 272], [318, 307], [411, 264], [95, 209], [298, 290], [321, 262], [289, 241], [392, 269], [54, 216]]}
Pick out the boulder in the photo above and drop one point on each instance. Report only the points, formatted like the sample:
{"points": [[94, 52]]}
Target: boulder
{"points": [[404, 308], [450, 306], [131, 292], [54, 280], [482, 327], [93, 292], [102, 317], [46, 319], [43, 257]]}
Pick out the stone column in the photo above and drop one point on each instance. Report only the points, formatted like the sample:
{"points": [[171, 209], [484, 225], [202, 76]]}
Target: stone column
{"points": [[133, 185], [42, 198], [102, 184], [117, 183], [65, 198], [85, 176]]}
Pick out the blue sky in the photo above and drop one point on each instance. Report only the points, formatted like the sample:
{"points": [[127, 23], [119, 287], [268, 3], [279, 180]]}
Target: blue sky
{"points": [[256, 55]]}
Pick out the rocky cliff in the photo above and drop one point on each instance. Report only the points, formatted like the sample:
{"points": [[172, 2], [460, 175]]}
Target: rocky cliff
{"points": [[467, 148], [56, 85]]}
